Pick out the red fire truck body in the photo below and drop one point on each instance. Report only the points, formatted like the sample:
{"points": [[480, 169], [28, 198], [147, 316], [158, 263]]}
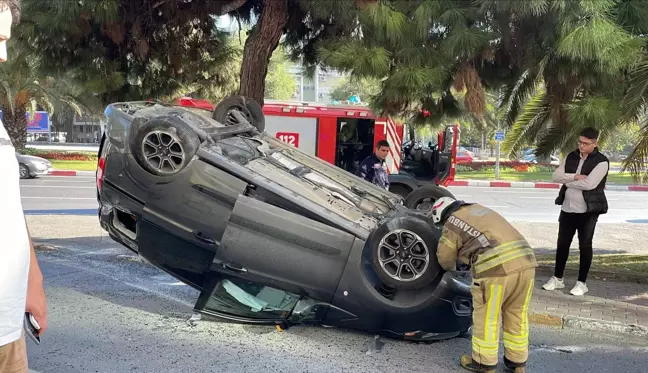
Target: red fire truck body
{"points": [[343, 135]]}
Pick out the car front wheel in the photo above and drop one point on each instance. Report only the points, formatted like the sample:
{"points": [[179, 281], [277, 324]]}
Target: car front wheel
{"points": [[404, 253]]}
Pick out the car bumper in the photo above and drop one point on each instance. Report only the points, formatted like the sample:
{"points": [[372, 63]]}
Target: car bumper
{"points": [[40, 170]]}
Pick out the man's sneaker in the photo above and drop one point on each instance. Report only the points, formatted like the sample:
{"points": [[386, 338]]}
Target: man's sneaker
{"points": [[554, 283], [579, 289]]}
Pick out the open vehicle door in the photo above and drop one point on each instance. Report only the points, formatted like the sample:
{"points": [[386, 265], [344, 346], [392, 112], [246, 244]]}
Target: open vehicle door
{"points": [[448, 145]]}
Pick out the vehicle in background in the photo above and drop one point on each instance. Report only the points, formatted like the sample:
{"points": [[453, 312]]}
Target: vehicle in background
{"points": [[31, 166], [465, 156], [531, 158], [268, 233]]}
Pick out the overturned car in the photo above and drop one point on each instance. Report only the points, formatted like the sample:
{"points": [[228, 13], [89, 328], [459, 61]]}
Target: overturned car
{"points": [[267, 233]]}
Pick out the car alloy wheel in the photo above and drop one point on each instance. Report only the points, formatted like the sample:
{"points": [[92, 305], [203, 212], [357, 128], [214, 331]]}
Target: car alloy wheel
{"points": [[403, 255], [24, 171], [163, 151]]}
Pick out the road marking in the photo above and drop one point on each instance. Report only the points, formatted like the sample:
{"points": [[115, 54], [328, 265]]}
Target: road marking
{"points": [[75, 198], [89, 181], [57, 186]]}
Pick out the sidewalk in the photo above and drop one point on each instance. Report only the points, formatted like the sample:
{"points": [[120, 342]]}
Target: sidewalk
{"points": [[608, 306], [537, 185]]}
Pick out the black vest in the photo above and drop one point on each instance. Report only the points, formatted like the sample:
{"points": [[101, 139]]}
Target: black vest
{"points": [[595, 198]]}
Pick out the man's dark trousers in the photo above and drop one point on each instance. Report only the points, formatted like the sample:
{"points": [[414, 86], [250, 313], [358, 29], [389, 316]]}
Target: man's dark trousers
{"points": [[570, 223]]}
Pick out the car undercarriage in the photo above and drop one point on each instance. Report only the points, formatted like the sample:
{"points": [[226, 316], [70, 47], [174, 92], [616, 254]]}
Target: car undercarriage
{"points": [[267, 233]]}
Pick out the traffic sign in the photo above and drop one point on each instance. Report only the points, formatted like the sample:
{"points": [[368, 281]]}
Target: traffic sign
{"points": [[499, 135]]}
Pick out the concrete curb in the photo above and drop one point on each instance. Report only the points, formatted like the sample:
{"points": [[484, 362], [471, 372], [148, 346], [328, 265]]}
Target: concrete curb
{"points": [[583, 323], [71, 173], [537, 185]]}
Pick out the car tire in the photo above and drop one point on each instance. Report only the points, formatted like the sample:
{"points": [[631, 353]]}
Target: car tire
{"points": [[399, 189], [24, 171], [416, 200], [248, 107], [400, 247], [164, 145]]}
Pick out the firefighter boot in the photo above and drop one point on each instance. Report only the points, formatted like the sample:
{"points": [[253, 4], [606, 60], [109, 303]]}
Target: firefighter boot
{"points": [[468, 363], [514, 367]]}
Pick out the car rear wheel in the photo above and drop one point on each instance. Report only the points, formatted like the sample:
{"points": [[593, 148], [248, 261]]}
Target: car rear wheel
{"points": [[404, 253], [24, 171], [163, 146], [246, 106], [423, 198]]}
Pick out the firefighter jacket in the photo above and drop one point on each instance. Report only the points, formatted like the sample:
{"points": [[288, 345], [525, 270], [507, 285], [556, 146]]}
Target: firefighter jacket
{"points": [[483, 239]]}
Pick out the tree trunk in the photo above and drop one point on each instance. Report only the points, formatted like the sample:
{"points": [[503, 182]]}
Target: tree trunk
{"points": [[16, 125], [262, 41]]}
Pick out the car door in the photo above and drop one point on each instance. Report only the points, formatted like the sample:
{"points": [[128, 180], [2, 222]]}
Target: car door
{"points": [[271, 246], [448, 142], [184, 219]]}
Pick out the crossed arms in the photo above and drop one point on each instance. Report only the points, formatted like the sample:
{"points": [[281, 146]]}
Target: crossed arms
{"points": [[582, 182]]}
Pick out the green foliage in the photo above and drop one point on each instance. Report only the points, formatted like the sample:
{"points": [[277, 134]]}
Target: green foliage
{"points": [[129, 49], [364, 88], [280, 84]]}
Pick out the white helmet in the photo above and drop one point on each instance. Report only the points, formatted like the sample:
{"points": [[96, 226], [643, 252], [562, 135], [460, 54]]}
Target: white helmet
{"points": [[439, 207]]}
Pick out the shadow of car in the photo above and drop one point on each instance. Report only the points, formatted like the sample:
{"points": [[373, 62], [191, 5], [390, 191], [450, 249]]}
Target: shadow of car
{"points": [[31, 166], [267, 233]]}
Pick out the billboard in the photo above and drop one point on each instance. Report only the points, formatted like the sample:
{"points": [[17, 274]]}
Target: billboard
{"points": [[37, 121]]}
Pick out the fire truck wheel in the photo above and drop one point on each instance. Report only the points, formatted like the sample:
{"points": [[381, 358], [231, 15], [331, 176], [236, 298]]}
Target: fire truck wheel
{"points": [[164, 145], [246, 106], [403, 253], [424, 197]]}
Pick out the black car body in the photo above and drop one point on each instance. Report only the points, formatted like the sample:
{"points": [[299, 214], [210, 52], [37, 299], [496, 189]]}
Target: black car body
{"points": [[268, 234]]}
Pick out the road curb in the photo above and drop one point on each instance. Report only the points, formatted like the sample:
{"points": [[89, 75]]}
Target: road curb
{"points": [[63, 173], [70, 173], [537, 185], [583, 323]]}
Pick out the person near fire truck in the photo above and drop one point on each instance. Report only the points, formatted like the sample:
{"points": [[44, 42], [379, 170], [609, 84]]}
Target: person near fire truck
{"points": [[503, 266], [373, 168]]}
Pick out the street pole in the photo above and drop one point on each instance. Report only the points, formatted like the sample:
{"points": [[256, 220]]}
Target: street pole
{"points": [[499, 137], [497, 161]]}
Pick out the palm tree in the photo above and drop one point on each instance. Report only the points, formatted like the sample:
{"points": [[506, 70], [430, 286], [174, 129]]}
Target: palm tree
{"points": [[23, 87]]}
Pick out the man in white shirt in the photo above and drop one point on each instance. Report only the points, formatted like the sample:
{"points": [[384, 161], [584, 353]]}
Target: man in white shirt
{"points": [[583, 174], [21, 281]]}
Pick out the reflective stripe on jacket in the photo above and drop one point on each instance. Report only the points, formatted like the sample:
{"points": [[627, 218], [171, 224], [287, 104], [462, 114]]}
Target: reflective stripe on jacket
{"points": [[482, 238]]}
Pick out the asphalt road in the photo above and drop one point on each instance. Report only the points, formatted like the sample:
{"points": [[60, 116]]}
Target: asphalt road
{"points": [[111, 313], [65, 194]]}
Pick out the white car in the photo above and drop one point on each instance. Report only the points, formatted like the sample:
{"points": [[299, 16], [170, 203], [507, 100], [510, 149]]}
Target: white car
{"points": [[32, 166]]}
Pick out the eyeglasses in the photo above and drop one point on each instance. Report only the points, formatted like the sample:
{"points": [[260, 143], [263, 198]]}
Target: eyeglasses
{"points": [[585, 143]]}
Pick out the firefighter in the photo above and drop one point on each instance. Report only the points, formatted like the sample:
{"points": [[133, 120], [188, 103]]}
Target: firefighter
{"points": [[503, 266]]}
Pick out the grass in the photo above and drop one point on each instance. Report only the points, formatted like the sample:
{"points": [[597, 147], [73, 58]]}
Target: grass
{"points": [[74, 165], [615, 263], [613, 177]]}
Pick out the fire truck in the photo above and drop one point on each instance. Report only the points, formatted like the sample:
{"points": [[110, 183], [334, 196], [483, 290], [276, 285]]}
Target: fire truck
{"points": [[344, 135]]}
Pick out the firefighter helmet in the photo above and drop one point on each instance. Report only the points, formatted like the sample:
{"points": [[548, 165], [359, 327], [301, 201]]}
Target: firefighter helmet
{"points": [[440, 207]]}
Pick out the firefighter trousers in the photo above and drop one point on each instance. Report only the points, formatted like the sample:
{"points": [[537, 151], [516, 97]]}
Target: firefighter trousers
{"points": [[497, 302]]}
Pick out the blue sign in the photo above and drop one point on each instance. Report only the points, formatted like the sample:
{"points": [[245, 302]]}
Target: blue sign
{"points": [[36, 122], [499, 135]]}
